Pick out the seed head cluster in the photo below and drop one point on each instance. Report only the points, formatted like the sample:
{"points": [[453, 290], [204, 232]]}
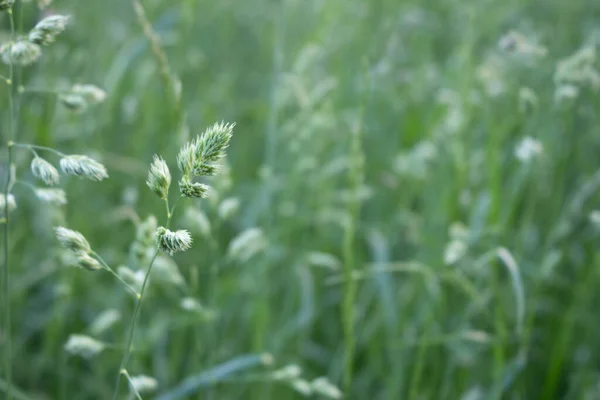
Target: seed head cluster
{"points": [[83, 166], [173, 242], [45, 171]]}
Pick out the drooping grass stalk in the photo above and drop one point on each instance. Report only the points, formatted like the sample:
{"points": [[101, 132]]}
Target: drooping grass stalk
{"points": [[166, 73], [356, 178], [110, 270], [6, 273], [138, 305]]}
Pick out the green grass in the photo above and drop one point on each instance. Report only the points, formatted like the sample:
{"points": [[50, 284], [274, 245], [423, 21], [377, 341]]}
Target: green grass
{"points": [[315, 86]]}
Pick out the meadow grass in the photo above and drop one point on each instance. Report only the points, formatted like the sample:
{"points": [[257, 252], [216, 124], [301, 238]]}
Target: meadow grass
{"points": [[408, 208]]}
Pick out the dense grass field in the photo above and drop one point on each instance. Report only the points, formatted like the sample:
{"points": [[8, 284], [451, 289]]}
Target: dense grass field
{"points": [[409, 207]]}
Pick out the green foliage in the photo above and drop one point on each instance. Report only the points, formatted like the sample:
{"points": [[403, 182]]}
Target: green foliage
{"points": [[411, 182]]}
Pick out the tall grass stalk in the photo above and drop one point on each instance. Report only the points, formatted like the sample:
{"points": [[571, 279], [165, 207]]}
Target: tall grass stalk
{"points": [[6, 273], [170, 82], [356, 177], [138, 307]]}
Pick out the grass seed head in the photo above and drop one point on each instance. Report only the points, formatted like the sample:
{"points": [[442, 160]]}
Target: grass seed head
{"points": [[90, 93], [72, 240], [88, 262], [83, 166], [143, 383], [84, 346], [45, 171], [172, 242], [22, 52], [186, 158], [46, 31], [53, 196], [325, 388], [206, 169], [74, 102], [212, 143], [159, 177], [193, 189]]}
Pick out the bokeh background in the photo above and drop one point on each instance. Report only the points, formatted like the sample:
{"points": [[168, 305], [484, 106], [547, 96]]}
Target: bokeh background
{"points": [[445, 150]]}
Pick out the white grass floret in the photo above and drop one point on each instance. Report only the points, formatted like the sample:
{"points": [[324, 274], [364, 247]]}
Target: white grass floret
{"points": [[84, 166], [84, 346]]}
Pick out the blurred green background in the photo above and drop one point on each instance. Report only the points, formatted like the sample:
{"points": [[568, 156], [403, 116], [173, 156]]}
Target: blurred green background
{"points": [[474, 248]]}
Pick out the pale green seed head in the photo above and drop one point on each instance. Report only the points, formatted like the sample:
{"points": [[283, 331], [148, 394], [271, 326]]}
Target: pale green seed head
{"points": [[84, 346], [83, 166], [74, 102], [22, 52], [72, 240], [159, 177], [172, 242], [46, 31], [212, 143], [45, 171], [88, 262], [186, 158], [52, 196], [193, 189], [143, 383], [90, 93]]}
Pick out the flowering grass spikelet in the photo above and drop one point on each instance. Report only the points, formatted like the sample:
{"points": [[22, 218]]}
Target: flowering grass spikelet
{"points": [[528, 149], [206, 169], [83, 166], [143, 383], [190, 304], [84, 346], [74, 102], [72, 240], [106, 320], [45, 171], [228, 207], [288, 372], [247, 244], [455, 250], [46, 30], [6, 4], [186, 158], [212, 143], [197, 222], [88, 262], [52, 196], [325, 388], [22, 52], [159, 177], [303, 387], [90, 93], [172, 242], [193, 189]]}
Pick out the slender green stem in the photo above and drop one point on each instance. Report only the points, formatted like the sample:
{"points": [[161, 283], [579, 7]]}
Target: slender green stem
{"points": [[169, 80], [138, 306], [6, 274], [109, 269], [135, 392], [35, 146], [356, 173]]}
